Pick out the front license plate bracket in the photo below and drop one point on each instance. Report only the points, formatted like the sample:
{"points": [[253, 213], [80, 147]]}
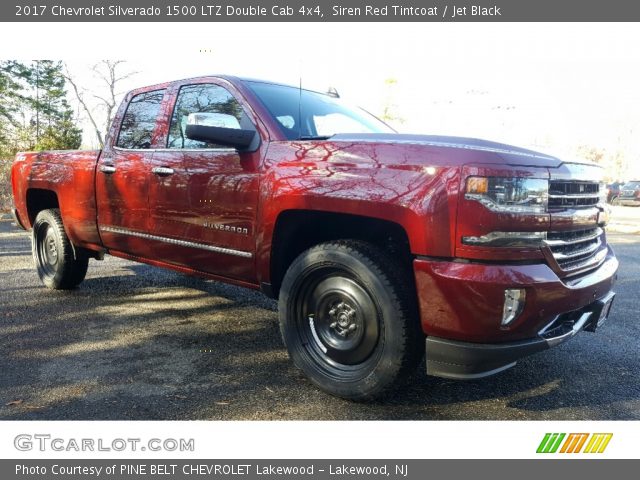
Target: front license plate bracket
{"points": [[601, 312]]}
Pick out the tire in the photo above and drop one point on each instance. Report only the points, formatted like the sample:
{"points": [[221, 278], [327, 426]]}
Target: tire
{"points": [[57, 265], [615, 201], [348, 318]]}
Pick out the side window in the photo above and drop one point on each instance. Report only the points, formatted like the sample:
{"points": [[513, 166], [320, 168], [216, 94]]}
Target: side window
{"points": [[139, 120], [202, 98]]}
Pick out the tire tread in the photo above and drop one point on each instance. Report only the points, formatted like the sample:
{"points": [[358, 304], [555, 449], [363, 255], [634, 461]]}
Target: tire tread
{"points": [[74, 266], [398, 281]]}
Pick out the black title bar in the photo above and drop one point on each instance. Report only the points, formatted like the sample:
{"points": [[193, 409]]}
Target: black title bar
{"points": [[320, 11]]}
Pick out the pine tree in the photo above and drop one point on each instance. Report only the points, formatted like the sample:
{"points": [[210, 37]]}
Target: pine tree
{"points": [[34, 112], [8, 90], [53, 115]]}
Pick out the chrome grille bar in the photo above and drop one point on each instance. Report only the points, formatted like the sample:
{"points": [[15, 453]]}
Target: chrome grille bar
{"points": [[560, 257], [590, 234], [573, 194], [577, 249]]}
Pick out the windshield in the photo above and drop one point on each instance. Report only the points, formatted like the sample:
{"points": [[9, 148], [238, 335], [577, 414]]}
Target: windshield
{"points": [[303, 114], [631, 185]]}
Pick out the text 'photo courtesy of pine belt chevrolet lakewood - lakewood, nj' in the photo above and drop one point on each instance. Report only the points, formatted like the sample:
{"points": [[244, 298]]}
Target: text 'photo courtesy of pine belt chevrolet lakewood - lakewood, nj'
{"points": [[380, 247]]}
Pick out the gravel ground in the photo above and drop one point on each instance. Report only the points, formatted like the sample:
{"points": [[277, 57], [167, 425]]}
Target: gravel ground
{"points": [[135, 342]]}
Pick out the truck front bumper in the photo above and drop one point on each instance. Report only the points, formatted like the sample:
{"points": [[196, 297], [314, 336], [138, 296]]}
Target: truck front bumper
{"points": [[629, 201], [463, 360], [461, 305]]}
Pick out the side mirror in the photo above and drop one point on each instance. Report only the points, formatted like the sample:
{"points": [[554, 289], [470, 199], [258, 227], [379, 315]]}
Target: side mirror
{"points": [[219, 128]]}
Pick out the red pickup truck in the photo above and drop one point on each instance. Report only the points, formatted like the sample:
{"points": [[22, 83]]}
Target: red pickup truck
{"points": [[379, 246]]}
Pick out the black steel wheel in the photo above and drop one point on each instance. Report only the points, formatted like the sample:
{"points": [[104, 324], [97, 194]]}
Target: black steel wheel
{"points": [[348, 320], [58, 266]]}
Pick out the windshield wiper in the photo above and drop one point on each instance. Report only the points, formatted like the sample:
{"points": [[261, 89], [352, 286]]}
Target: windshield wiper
{"points": [[315, 137]]}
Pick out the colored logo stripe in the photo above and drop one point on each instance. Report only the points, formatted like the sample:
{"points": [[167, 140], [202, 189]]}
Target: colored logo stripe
{"points": [[550, 443], [598, 442], [574, 443], [595, 442]]}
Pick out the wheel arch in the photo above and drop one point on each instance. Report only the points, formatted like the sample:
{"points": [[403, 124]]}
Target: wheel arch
{"points": [[39, 199], [297, 230]]}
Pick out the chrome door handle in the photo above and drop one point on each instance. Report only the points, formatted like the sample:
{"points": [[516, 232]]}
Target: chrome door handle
{"points": [[107, 169], [162, 171]]}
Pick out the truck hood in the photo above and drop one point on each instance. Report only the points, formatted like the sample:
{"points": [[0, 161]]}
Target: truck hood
{"points": [[508, 153]]}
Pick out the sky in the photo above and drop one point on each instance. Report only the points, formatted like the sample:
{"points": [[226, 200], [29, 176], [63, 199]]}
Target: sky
{"points": [[553, 87]]}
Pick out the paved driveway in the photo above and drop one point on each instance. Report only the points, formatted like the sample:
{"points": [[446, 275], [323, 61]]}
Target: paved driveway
{"points": [[135, 342]]}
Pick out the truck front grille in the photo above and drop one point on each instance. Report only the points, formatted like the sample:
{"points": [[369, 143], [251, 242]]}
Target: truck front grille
{"points": [[573, 194], [577, 249]]}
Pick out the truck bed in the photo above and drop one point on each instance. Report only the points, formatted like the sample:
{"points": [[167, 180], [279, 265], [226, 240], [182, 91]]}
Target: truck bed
{"points": [[70, 175]]}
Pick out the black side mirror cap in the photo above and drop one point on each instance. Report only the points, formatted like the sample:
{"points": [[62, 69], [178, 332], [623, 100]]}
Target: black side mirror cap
{"points": [[232, 137]]}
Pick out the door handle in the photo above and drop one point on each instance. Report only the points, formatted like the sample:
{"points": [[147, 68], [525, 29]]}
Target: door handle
{"points": [[106, 168], [162, 171]]}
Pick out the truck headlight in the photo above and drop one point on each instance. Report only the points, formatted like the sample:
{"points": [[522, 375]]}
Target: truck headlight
{"points": [[511, 195]]}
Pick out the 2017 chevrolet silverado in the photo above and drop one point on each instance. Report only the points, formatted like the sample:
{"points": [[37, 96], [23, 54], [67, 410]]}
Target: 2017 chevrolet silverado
{"points": [[379, 246]]}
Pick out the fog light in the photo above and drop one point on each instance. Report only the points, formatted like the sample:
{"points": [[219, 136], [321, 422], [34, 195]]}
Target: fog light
{"points": [[513, 304], [603, 216]]}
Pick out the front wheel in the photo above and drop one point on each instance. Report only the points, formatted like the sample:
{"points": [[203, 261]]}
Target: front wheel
{"points": [[348, 319], [58, 266]]}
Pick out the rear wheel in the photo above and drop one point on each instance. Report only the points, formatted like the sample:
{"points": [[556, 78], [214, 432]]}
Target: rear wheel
{"points": [[58, 266], [348, 319]]}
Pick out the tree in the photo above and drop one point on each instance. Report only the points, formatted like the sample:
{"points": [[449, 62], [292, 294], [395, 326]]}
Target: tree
{"points": [[591, 153], [614, 162], [101, 111], [55, 128], [8, 101], [390, 108], [65, 134], [34, 112]]}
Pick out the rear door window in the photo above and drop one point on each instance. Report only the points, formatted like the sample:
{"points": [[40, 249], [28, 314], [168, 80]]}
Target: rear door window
{"points": [[139, 121]]}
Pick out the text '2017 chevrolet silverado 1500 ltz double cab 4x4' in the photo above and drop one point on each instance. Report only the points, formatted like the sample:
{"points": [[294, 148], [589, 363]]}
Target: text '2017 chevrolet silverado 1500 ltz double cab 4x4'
{"points": [[380, 247]]}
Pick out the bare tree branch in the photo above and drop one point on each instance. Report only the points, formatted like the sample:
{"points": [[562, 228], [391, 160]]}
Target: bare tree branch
{"points": [[107, 72], [80, 99]]}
